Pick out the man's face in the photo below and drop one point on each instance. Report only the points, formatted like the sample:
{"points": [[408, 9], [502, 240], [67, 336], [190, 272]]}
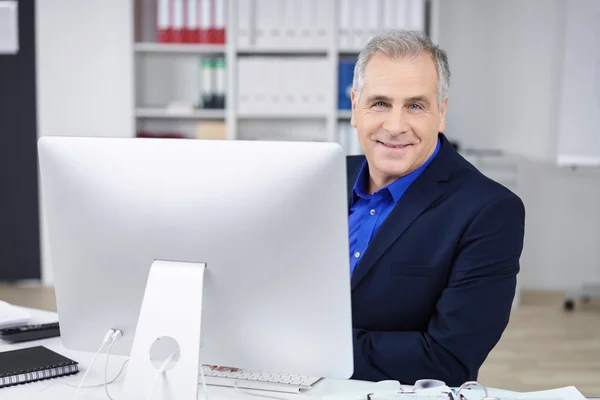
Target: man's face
{"points": [[397, 116]]}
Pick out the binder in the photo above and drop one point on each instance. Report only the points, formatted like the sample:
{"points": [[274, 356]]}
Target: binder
{"points": [[402, 14], [341, 137], [354, 147], [33, 364], [372, 21], [212, 19], [345, 76], [390, 14], [268, 88], [324, 11], [220, 82], [207, 83], [213, 83], [306, 22], [315, 93], [285, 85], [243, 85], [204, 19], [190, 33], [178, 21], [163, 21], [291, 22], [348, 139], [345, 37], [245, 14], [416, 15], [267, 26], [359, 10], [220, 21]]}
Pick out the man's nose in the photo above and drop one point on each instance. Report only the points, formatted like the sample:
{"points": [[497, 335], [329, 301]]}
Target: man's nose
{"points": [[396, 123]]}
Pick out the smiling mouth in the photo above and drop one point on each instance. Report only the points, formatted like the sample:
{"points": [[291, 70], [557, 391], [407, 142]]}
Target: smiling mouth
{"points": [[394, 146]]}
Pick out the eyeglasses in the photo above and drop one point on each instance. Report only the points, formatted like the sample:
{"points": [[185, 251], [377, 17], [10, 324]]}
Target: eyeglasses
{"points": [[429, 389]]}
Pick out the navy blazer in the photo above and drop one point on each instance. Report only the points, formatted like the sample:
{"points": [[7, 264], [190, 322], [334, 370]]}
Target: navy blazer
{"points": [[433, 292]]}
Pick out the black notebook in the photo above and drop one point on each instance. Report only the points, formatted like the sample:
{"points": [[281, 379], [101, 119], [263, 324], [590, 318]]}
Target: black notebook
{"points": [[33, 364]]}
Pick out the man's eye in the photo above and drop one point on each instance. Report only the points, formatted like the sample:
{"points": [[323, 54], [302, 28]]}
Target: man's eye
{"points": [[380, 104], [415, 107]]}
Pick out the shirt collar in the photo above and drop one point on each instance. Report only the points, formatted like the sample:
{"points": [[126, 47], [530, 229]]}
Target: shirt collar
{"points": [[397, 188]]}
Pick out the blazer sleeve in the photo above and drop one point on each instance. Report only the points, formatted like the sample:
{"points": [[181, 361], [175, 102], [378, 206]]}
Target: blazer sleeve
{"points": [[471, 314]]}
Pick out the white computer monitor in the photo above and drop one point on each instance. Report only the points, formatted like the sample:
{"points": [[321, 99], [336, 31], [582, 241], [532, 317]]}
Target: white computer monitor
{"points": [[268, 218]]}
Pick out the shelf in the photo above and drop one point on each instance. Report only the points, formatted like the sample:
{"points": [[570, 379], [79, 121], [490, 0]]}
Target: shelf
{"points": [[191, 48], [283, 51], [184, 48], [344, 114], [349, 52], [164, 113], [283, 116]]}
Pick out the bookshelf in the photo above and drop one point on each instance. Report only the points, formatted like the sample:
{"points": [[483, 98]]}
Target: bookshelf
{"points": [[165, 113], [282, 47], [194, 49]]}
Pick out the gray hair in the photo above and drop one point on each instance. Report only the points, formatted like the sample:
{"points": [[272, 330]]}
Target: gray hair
{"points": [[397, 44]]}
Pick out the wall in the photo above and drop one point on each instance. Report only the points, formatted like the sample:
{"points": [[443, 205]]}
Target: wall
{"points": [[579, 103], [84, 72], [506, 58]]}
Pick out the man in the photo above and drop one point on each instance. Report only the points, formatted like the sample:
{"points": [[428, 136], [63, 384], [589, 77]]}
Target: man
{"points": [[434, 244]]}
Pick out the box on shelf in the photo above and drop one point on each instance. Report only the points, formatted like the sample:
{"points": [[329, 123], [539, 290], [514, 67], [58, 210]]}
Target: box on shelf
{"points": [[211, 130]]}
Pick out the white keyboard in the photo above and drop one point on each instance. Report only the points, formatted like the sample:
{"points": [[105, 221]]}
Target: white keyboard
{"points": [[259, 380]]}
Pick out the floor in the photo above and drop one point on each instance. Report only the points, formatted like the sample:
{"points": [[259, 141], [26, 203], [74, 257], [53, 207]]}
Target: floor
{"points": [[543, 347]]}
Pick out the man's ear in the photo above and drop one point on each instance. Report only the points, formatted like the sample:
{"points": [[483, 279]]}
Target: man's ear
{"points": [[442, 126], [354, 99]]}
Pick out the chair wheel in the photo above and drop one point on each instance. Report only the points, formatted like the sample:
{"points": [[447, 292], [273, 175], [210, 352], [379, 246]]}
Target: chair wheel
{"points": [[569, 305]]}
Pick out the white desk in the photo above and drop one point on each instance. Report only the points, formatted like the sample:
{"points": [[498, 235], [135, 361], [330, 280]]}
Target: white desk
{"points": [[56, 388]]}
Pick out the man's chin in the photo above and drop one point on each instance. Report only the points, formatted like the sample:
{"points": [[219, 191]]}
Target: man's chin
{"points": [[393, 168]]}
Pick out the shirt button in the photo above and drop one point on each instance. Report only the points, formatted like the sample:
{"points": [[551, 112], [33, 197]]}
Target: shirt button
{"points": [[373, 212], [357, 254]]}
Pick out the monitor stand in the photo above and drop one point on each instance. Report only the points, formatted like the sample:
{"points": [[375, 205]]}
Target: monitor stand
{"points": [[168, 329]]}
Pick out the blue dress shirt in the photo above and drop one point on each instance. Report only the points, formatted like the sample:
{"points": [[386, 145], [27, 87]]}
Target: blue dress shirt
{"points": [[368, 211]]}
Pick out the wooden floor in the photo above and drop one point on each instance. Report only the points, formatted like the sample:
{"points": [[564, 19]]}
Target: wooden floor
{"points": [[543, 347]]}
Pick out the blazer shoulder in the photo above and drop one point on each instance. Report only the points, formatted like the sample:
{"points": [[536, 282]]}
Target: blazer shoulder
{"points": [[480, 187]]}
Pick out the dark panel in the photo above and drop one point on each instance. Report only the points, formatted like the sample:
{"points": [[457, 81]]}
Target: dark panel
{"points": [[19, 215]]}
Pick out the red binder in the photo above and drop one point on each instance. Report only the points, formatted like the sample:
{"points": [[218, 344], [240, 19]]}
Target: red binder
{"points": [[204, 21], [164, 21], [178, 21], [219, 21]]}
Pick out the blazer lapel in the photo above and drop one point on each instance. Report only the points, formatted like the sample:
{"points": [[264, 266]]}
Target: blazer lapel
{"points": [[354, 170], [419, 196]]}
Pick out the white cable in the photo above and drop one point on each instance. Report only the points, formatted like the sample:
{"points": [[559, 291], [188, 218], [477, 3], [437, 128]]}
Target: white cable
{"points": [[159, 372], [98, 384], [107, 337], [203, 382], [114, 339], [254, 394], [87, 386]]}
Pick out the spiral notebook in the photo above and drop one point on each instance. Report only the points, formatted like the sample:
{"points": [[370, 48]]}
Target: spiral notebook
{"points": [[33, 364]]}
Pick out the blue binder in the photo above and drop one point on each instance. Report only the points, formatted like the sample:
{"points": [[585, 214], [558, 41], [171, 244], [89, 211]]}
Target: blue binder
{"points": [[345, 75]]}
